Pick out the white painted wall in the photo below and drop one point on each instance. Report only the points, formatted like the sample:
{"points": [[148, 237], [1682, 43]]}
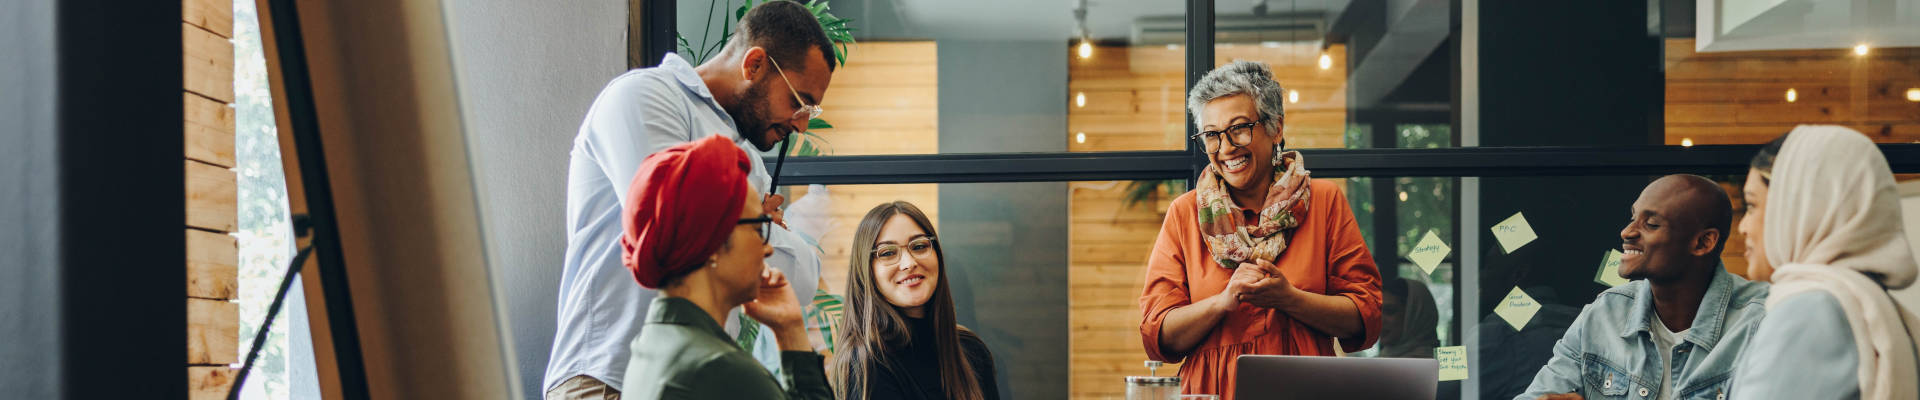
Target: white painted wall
{"points": [[526, 72]]}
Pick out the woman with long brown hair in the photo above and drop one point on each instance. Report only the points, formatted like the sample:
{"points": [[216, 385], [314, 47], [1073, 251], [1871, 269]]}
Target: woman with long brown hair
{"points": [[898, 338]]}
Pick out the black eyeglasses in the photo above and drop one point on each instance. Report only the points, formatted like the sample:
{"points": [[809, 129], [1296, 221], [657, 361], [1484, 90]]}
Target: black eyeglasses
{"points": [[765, 228], [1237, 135]]}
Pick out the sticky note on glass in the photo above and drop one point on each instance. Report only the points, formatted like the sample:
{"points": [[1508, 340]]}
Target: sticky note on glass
{"points": [[1514, 232], [1517, 308], [1429, 252], [1609, 273], [1453, 362]]}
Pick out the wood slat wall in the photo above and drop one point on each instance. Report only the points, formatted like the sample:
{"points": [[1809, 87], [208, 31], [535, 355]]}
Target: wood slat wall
{"points": [[1136, 101], [213, 326], [1740, 97], [1136, 96]]}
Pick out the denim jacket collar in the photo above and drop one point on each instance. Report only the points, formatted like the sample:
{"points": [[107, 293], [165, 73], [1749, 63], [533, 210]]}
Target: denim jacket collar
{"points": [[1707, 322]]}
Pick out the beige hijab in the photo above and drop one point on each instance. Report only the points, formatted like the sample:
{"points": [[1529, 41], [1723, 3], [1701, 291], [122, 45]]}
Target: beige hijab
{"points": [[1833, 224]]}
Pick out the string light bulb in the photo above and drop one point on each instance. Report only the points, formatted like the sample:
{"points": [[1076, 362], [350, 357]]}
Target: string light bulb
{"points": [[1792, 95], [1080, 99], [1686, 142], [1293, 96], [1326, 61], [1860, 49], [1080, 137], [1086, 49], [1913, 95]]}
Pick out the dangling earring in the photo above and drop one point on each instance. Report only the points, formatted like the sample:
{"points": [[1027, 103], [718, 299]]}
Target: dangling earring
{"points": [[1279, 149]]}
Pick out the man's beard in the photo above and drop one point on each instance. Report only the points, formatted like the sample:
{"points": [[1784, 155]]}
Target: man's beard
{"points": [[749, 114]]}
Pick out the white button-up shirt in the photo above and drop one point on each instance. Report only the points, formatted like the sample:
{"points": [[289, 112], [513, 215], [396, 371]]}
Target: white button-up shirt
{"points": [[601, 307]]}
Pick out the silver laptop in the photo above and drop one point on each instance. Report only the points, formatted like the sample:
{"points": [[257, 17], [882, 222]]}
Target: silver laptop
{"points": [[1294, 377]]}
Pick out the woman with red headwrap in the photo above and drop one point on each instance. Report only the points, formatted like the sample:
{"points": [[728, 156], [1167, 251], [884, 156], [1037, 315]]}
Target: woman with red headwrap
{"points": [[692, 234]]}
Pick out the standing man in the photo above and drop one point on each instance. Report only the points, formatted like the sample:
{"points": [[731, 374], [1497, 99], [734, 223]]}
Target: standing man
{"points": [[765, 85], [1676, 329]]}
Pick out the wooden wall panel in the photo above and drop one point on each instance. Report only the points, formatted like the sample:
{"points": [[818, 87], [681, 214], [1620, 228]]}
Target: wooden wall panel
{"points": [[212, 255], [215, 16], [209, 63], [210, 197], [209, 130], [213, 330], [1136, 96], [213, 261], [1740, 97], [209, 382]]}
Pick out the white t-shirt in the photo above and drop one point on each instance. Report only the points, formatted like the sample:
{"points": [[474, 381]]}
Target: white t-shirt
{"points": [[601, 307], [1666, 340]]}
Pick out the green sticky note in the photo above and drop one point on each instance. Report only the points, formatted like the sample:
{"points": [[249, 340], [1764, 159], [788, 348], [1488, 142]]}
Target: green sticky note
{"points": [[1453, 362], [1517, 308], [1429, 252], [1514, 232], [1609, 273]]}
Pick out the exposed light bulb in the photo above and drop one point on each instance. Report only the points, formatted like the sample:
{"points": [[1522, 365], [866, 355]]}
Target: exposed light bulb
{"points": [[1860, 49], [1086, 48], [1686, 142], [1080, 137], [1403, 196], [1080, 99], [1293, 96], [1326, 61], [1913, 94], [1792, 95]]}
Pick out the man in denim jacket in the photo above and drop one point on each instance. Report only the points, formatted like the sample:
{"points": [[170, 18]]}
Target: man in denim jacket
{"points": [[1675, 330]]}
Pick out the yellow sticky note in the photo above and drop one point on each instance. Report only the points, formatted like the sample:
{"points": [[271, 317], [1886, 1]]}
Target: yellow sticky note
{"points": [[1429, 252], [1514, 232], [1453, 362], [1517, 309], [1609, 273]]}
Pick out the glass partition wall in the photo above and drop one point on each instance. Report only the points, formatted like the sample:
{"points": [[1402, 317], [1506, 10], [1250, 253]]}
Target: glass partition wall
{"points": [[1048, 138]]}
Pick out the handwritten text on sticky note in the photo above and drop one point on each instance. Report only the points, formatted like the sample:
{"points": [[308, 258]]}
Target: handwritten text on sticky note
{"points": [[1609, 273], [1453, 362], [1517, 308], [1429, 252], [1514, 232]]}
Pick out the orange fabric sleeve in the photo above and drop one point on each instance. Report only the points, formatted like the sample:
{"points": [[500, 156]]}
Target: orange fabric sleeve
{"points": [[1166, 279], [1351, 271]]}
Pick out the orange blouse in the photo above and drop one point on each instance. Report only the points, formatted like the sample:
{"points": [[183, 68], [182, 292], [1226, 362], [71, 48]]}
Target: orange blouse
{"points": [[1324, 255]]}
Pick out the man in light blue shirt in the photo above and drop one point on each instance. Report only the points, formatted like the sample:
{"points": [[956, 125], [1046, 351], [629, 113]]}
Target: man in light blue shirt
{"points": [[763, 86], [1676, 329]]}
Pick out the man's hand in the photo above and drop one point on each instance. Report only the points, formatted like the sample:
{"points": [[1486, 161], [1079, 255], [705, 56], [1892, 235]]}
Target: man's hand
{"points": [[1563, 396], [772, 205], [1272, 290], [775, 306]]}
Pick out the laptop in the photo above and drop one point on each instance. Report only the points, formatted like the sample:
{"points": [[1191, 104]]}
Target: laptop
{"points": [[1298, 377]]}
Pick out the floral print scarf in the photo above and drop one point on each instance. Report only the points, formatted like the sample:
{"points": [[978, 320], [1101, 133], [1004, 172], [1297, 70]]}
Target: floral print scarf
{"points": [[1226, 231]]}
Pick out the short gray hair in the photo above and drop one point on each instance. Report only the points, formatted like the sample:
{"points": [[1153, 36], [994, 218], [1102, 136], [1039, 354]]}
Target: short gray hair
{"points": [[1251, 78]]}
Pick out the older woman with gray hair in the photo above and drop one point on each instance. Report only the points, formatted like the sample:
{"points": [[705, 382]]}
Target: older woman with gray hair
{"points": [[1258, 258]]}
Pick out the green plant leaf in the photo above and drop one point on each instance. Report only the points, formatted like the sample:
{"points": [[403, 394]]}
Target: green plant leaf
{"points": [[817, 123]]}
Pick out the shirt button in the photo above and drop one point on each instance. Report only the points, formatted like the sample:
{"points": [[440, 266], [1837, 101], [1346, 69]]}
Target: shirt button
{"points": [[1643, 392], [1720, 396], [1608, 384]]}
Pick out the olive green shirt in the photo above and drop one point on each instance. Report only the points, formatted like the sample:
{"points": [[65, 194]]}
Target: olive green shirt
{"points": [[682, 353]]}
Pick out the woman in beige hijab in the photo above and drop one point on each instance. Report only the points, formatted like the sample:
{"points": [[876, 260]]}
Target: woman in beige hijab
{"points": [[1823, 224]]}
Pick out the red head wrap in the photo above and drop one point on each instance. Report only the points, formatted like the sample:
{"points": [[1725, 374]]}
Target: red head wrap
{"points": [[681, 207]]}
